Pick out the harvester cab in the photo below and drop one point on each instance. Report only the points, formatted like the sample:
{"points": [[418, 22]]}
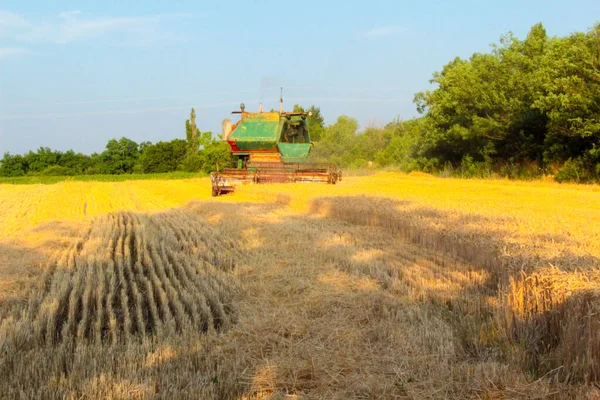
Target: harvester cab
{"points": [[269, 147]]}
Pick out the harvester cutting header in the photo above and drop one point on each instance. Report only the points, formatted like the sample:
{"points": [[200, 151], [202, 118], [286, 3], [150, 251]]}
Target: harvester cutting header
{"points": [[269, 147]]}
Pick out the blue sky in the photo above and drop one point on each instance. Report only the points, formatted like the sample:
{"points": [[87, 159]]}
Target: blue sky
{"points": [[74, 74]]}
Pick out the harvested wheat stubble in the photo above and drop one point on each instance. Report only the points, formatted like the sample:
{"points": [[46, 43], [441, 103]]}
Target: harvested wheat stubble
{"points": [[133, 281]]}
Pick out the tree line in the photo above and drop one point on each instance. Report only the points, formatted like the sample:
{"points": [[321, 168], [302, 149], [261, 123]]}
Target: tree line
{"points": [[198, 152], [527, 108]]}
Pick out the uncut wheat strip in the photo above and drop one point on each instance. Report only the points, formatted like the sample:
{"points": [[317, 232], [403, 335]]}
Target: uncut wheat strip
{"points": [[101, 296], [131, 273], [88, 301], [182, 265], [200, 290], [110, 301], [200, 239], [111, 237], [123, 311], [160, 296], [169, 244], [208, 279], [209, 286], [218, 287], [181, 295], [165, 289], [194, 300], [74, 309], [154, 318], [59, 295], [176, 293], [54, 307], [170, 253]]}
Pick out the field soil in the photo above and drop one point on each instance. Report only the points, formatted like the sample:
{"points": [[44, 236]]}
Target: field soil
{"points": [[383, 286]]}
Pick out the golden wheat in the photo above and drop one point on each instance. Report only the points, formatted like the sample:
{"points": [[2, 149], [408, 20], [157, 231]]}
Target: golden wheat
{"points": [[118, 286], [382, 286]]}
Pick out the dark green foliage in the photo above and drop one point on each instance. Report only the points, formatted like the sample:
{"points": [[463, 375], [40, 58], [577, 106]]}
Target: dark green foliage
{"points": [[42, 159], [119, 157], [217, 151], [316, 122], [57, 170], [13, 165], [578, 170], [340, 144], [530, 102], [191, 134], [163, 156], [192, 163]]}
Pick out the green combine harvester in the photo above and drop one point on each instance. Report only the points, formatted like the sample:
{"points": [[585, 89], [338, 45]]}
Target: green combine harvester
{"points": [[269, 147]]}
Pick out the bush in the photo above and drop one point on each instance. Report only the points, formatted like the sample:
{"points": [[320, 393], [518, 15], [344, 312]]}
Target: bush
{"points": [[473, 169], [192, 163], [57, 170], [217, 152], [574, 170]]}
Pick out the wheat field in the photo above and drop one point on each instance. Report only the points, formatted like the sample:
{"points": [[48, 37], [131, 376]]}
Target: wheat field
{"points": [[383, 286]]}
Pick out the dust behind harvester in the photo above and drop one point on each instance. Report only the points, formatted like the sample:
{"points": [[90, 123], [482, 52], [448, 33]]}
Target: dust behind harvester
{"points": [[269, 147]]}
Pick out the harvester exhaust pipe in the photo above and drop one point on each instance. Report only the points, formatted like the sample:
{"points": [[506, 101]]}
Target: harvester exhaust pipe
{"points": [[280, 100]]}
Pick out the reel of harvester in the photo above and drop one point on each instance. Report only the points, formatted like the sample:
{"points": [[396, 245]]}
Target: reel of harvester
{"points": [[225, 180]]}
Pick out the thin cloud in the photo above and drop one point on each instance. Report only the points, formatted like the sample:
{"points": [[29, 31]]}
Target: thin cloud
{"points": [[383, 31], [8, 18], [11, 23], [76, 26], [12, 51]]}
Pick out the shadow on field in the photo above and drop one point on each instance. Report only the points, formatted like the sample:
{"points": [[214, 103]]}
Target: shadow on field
{"points": [[476, 239], [545, 302], [324, 292]]}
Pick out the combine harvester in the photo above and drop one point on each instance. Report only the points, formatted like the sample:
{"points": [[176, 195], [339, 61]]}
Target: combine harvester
{"points": [[269, 147]]}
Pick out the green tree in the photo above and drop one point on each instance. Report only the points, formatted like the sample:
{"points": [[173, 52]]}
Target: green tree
{"points": [[196, 140], [316, 123], [482, 107], [163, 156], [41, 159], [191, 134], [119, 157], [339, 144], [215, 152], [13, 165], [570, 82], [75, 162]]}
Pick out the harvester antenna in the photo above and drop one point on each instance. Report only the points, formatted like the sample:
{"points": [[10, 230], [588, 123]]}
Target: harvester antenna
{"points": [[280, 100]]}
